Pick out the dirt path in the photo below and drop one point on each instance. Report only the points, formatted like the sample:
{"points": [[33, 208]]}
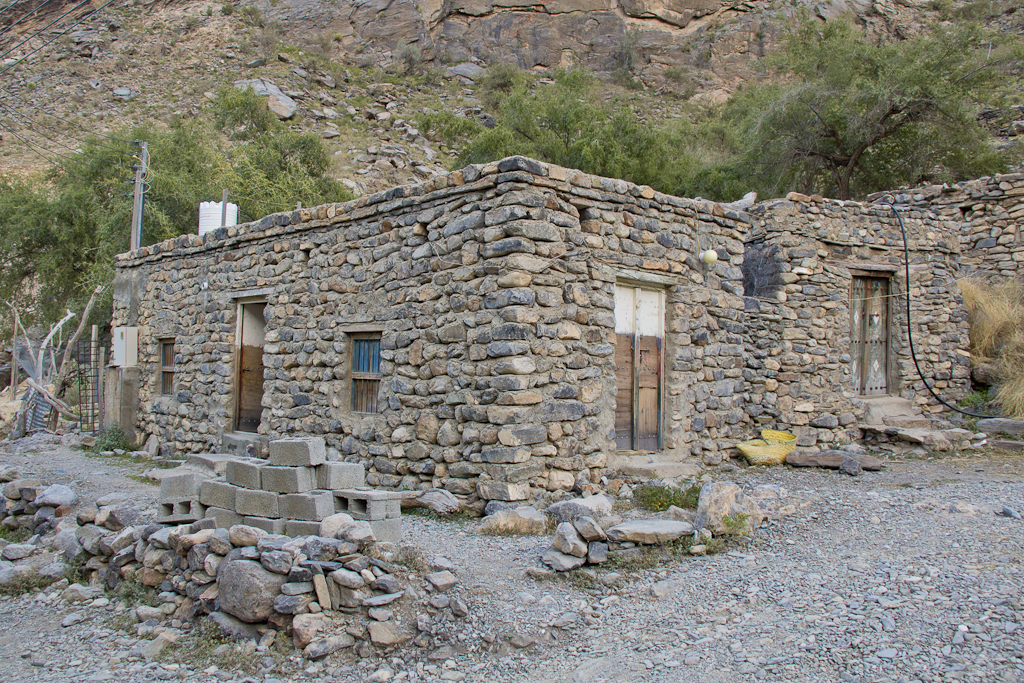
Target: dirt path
{"points": [[902, 575]]}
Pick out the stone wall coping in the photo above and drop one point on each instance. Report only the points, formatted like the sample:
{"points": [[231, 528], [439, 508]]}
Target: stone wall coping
{"points": [[584, 187]]}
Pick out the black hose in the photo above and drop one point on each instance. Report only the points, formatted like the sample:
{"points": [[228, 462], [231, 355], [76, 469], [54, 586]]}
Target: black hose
{"points": [[910, 335]]}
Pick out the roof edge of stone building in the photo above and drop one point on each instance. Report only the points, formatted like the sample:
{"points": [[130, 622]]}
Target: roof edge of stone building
{"points": [[471, 178]]}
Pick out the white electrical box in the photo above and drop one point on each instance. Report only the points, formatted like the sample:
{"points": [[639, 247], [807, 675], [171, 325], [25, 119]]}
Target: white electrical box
{"points": [[125, 353]]}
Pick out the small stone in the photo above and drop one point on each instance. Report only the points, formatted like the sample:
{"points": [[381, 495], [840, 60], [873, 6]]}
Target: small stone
{"points": [[850, 466], [567, 540], [386, 634], [442, 581], [72, 619], [325, 646]]}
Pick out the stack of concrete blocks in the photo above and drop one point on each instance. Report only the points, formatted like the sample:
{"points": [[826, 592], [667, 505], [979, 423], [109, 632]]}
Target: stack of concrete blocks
{"points": [[180, 491], [292, 491], [382, 509]]}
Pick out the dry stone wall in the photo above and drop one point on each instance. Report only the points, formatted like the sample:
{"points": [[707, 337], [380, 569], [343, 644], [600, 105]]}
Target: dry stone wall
{"points": [[800, 359], [492, 289], [987, 214]]}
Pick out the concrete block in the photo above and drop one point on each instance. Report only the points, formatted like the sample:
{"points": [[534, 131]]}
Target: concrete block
{"points": [[244, 472], [225, 519], [295, 527], [312, 506], [331, 476], [181, 486], [287, 479], [217, 493], [368, 504], [298, 452], [257, 503], [214, 462], [387, 530], [180, 511], [271, 526]]}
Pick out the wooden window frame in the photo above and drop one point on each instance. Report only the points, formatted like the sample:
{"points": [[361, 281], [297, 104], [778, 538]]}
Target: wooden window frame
{"points": [[354, 376], [166, 371]]}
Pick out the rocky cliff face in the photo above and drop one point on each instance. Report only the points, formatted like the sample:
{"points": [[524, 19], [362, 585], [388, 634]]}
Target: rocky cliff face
{"points": [[714, 42]]}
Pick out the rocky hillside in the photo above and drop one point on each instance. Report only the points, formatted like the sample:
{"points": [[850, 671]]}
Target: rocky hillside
{"points": [[361, 72]]}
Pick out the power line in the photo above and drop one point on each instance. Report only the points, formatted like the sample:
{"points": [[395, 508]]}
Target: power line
{"points": [[29, 54], [43, 152], [59, 132], [43, 29], [30, 123], [25, 16], [9, 6], [61, 118]]}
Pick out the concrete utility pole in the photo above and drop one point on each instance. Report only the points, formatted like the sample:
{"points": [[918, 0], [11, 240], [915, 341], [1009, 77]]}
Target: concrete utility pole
{"points": [[224, 208], [140, 194]]}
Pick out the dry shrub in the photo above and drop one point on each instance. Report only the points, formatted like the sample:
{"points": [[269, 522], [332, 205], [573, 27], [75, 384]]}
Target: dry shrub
{"points": [[996, 313]]}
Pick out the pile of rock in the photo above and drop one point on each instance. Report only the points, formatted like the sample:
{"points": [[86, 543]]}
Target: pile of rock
{"points": [[584, 538], [31, 504], [330, 591], [290, 493]]}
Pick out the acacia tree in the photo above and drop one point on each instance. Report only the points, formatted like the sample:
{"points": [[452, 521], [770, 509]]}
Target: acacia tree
{"points": [[849, 115]]}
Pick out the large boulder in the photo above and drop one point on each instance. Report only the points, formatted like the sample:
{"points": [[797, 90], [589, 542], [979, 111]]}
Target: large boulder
{"points": [[247, 590], [567, 540], [724, 510], [55, 496]]}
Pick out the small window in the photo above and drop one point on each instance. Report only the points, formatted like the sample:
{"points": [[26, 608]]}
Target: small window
{"points": [[365, 372], [167, 366]]}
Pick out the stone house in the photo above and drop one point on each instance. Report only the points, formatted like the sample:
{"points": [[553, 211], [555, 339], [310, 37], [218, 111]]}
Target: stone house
{"points": [[517, 327]]}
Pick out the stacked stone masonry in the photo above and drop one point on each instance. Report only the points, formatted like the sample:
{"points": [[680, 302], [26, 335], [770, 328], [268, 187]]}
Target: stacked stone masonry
{"points": [[492, 290]]}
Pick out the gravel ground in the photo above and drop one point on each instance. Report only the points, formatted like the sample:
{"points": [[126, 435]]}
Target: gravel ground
{"points": [[902, 575]]}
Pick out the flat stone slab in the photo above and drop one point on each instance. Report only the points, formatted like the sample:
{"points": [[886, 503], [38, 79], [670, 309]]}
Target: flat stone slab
{"points": [[832, 460], [1001, 425], [1007, 445], [649, 531]]}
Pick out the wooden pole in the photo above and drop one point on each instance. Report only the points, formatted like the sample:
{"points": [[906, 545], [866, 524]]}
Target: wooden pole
{"points": [[93, 381], [14, 364]]}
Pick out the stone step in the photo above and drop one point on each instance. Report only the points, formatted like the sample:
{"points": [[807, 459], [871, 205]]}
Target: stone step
{"points": [[877, 408], [234, 443], [654, 466], [908, 422]]}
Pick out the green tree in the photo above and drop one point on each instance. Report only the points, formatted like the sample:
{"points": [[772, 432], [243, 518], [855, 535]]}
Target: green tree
{"points": [[849, 115], [60, 230]]}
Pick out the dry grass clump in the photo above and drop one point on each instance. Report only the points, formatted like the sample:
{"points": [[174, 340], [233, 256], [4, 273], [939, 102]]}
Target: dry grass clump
{"points": [[997, 336]]}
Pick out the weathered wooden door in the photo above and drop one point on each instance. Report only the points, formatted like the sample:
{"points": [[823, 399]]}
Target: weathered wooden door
{"points": [[639, 335], [869, 335], [249, 394]]}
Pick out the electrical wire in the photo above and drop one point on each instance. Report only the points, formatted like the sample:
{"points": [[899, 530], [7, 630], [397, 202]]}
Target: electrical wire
{"points": [[83, 2], [910, 334], [43, 152], [29, 54], [30, 123], [9, 6], [25, 16], [61, 118]]}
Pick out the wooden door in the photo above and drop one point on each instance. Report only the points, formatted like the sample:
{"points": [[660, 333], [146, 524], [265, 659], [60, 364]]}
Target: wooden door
{"points": [[639, 333], [249, 394], [869, 335]]}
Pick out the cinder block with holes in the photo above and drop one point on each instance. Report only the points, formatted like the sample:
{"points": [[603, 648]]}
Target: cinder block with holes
{"points": [[257, 503], [287, 479], [332, 476], [308, 507], [296, 527], [271, 526], [298, 452], [244, 472], [181, 486], [180, 511], [217, 493], [368, 505], [225, 519]]}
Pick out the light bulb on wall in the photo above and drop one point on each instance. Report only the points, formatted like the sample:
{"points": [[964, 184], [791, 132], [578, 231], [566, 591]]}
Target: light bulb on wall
{"points": [[709, 257]]}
